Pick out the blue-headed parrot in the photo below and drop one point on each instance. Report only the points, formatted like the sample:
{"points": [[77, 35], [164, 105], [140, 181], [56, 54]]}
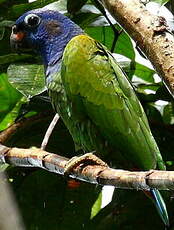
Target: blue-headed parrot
{"points": [[91, 93]]}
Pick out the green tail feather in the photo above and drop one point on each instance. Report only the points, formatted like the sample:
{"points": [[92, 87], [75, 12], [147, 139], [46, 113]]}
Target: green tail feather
{"points": [[160, 206]]}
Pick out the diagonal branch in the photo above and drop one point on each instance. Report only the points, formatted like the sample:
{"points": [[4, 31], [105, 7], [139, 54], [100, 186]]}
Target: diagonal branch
{"points": [[49, 131], [150, 33], [8, 133], [92, 173]]}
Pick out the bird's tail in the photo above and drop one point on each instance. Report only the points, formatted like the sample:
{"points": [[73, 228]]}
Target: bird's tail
{"points": [[159, 203]]}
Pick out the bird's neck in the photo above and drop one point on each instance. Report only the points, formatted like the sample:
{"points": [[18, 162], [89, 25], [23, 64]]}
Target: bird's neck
{"points": [[52, 56], [52, 50]]}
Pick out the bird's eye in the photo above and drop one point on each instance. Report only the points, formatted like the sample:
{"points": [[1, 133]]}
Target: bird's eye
{"points": [[32, 20]]}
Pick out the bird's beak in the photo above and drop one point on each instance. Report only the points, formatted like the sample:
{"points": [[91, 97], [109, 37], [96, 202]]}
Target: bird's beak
{"points": [[16, 38]]}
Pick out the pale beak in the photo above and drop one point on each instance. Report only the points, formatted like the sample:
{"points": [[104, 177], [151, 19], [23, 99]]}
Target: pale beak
{"points": [[16, 38]]}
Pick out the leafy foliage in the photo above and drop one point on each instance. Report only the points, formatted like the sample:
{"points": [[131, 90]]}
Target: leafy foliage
{"points": [[46, 201], [32, 75], [161, 2]]}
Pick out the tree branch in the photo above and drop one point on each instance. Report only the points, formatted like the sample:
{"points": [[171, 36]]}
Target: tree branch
{"points": [[49, 131], [150, 33], [6, 134], [92, 173]]}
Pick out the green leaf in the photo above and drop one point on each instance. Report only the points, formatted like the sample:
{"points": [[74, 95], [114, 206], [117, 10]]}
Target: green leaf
{"points": [[1, 1], [168, 114], [147, 88], [105, 36], [10, 58], [27, 78], [161, 2], [6, 23], [84, 19], [96, 206], [75, 6], [9, 97], [12, 115], [153, 112], [144, 73], [3, 167], [125, 41], [17, 10]]}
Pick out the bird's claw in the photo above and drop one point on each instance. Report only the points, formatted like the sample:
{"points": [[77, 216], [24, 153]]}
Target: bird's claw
{"points": [[82, 161]]}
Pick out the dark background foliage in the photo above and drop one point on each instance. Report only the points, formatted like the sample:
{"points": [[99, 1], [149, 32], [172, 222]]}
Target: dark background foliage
{"points": [[47, 201]]}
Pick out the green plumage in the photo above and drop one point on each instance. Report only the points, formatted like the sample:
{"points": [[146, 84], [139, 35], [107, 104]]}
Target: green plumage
{"points": [[91, 93], [100, 108]]}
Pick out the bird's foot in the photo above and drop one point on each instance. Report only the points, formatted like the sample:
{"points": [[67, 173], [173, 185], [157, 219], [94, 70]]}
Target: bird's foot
{"points": [[82, 161]]}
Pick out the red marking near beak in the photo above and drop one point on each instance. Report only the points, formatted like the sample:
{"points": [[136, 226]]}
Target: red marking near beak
{"points": [[18, 36]]}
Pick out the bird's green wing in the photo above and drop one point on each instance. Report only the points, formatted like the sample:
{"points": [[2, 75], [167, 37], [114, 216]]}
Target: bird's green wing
{"points": [[85, 134], [94, 80]]}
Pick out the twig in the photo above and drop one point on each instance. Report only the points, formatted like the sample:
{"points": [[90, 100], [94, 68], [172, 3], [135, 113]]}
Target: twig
{"points": [[11, 130], [115, 31], [49, 131], [92, 173]]}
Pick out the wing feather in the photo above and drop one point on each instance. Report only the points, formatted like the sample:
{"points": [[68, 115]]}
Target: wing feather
{"points": [[91, 74]]}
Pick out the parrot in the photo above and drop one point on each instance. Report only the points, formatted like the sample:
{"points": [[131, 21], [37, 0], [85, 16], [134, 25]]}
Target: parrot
{"points": [[91, 93]]}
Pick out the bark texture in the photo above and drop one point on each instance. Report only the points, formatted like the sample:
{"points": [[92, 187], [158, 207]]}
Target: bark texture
{"points": [[150, 33], [93, 170]]}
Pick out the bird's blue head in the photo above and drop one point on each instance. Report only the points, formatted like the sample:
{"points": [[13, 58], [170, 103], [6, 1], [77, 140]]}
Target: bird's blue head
{"points": [[45, 31]]}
